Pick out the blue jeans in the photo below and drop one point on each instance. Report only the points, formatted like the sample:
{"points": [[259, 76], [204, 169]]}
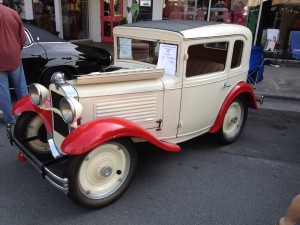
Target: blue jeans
{"points": [[17, 78]]}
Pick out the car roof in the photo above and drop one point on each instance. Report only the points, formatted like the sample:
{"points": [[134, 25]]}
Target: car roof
{"points": [[194, 28], [171, 25], [44, 36]]}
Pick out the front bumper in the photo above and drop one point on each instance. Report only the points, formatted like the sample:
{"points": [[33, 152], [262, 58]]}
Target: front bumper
{"points": [[43, 167]]}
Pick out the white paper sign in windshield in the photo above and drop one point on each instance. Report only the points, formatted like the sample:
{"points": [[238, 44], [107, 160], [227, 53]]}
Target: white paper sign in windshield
{"points": [[167, 58], [125, 48]]}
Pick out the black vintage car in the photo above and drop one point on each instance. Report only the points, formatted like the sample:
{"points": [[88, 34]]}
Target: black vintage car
{"points": [[44, 54]]}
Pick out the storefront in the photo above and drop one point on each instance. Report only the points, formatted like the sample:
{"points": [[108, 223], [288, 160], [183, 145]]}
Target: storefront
{"points": [[94, 19], [67, 18]]}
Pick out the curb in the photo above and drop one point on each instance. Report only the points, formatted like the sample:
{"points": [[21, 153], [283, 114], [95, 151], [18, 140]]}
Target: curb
{"points": [[279, 96]]}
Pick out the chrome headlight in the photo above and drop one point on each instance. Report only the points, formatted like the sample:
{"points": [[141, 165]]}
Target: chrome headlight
{"points": [[38, 93], [58, 78], [70, 109]]}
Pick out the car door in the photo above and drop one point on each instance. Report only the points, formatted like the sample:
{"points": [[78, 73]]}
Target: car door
{"points": [[204, 86], [33, 59]]}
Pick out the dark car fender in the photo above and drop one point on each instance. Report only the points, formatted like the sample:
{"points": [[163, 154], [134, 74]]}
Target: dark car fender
{"points": [[94, 133], [241, 89], [25, 104], [54, 65]]}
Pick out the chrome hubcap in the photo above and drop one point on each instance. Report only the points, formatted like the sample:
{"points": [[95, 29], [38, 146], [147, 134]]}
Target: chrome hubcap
{"points": [[106, 171]]}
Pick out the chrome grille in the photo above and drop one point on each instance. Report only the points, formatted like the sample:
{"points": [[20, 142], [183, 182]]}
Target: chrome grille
{"points": [[59, 125], [137, 109]]}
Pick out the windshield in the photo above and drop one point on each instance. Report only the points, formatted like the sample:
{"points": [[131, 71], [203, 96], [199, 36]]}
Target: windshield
{"points": [[163, 55]]}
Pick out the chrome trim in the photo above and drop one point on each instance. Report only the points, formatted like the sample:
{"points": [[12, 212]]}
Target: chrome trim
{"points": [[67, 89], [54, 150], [28, 37], [61, 183], [71, 106]]}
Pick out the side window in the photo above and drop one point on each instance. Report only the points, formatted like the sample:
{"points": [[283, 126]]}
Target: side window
{"points": [[206, 58], [237, 54]]}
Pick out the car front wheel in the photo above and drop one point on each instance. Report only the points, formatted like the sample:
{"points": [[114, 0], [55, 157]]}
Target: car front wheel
{"points": [[234, 121], [100, 176], [30, 130]]}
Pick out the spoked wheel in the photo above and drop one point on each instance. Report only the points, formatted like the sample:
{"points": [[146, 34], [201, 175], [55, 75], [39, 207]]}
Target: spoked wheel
{"points": [[100, 176], [234, 121], [31, 131]]}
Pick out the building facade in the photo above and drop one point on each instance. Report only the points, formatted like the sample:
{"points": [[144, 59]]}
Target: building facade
{"points": [[95, 19]]}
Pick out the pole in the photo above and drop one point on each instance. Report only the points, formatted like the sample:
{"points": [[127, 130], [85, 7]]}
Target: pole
{"points": [[195, 9], [208, 10], [258, 21]]}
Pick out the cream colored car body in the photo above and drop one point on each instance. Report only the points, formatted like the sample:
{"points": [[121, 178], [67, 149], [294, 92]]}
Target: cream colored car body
{"points": [[144, 94], [172, 79]]}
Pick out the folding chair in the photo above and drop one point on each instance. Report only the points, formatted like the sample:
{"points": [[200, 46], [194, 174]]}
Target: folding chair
{"points": [[293, 49], [295, 44], [256, 67]]}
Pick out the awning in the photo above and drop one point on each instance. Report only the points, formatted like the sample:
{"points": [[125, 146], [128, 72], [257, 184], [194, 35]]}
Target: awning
{"points": [[275, 2]]}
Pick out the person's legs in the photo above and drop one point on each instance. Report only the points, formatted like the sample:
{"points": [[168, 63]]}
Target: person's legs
{"points": [[5, 99], [292, 215], [17, 78]]}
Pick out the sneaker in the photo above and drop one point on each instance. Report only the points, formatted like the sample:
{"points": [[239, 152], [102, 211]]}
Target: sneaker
{"points": [[2, 120]]}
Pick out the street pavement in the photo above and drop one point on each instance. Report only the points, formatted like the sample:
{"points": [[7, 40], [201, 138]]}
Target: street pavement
{"points": [[249, 182]]}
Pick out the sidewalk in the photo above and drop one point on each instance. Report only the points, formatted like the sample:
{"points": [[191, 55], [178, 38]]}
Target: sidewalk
{"points": [[281, 82]]}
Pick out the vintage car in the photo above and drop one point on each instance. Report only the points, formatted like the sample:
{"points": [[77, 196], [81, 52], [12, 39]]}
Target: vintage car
{"points": [[45, 54], [170, 81]]}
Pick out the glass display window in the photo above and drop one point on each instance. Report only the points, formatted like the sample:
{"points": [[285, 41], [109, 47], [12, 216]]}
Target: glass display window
{"points": [[75, 19], [44, 14], [18, 6]]}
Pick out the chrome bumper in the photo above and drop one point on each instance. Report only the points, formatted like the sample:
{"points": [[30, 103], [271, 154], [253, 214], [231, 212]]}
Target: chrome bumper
{"points": [[43, 167]]}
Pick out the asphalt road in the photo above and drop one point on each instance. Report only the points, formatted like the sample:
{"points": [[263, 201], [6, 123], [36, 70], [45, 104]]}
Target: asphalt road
{"points": [[250, 182]]}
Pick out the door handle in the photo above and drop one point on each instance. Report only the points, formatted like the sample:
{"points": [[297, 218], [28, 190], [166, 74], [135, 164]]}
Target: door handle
{"points": [[226, 85]]}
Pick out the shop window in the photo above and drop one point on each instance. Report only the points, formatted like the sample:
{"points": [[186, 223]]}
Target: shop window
{"points": [[75, 19], [146, 9], [44, 14], [185, 9], [17, 5]]}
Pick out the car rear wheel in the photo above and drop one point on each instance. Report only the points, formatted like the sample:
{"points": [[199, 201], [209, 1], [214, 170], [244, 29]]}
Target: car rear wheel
{"points": [[234, 121], [30, 130], [100, 176], [48, 74]]}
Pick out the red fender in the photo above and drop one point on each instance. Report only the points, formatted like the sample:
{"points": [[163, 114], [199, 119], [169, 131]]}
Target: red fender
{"points": [[241, 88], [25, 104], [96, 132]]}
